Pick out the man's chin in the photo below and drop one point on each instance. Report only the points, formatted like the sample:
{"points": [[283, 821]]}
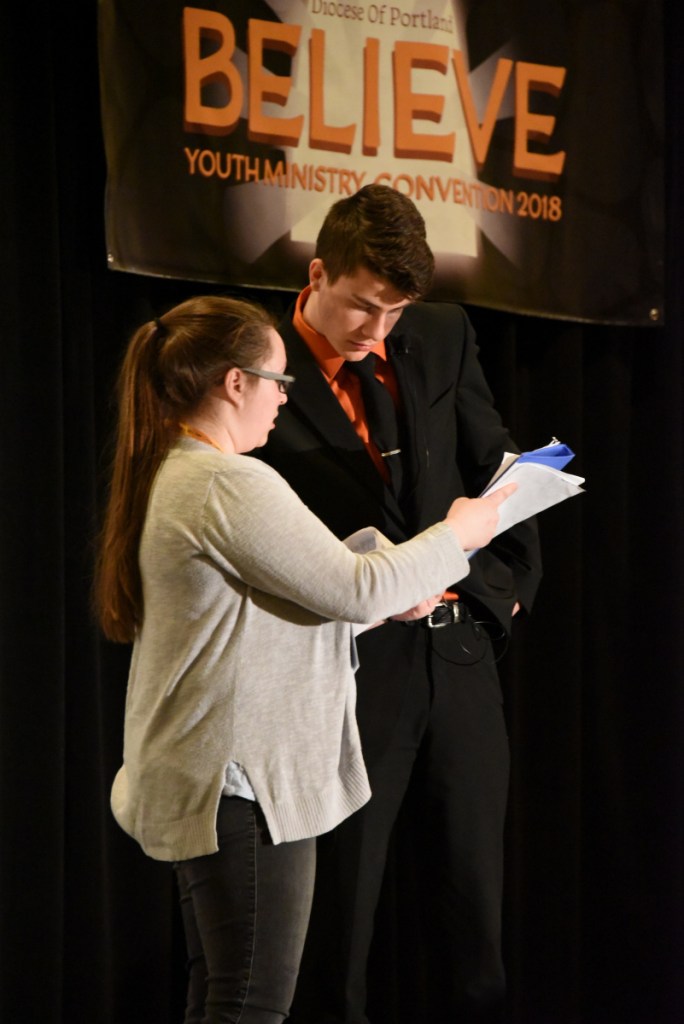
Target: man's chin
{"points": [[357, 352]]}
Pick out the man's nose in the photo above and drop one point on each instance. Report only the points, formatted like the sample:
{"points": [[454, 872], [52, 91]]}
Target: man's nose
{"points": [[377, 325]]}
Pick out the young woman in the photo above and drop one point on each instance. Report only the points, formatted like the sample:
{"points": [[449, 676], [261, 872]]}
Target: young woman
{"points": [[240, 740]]}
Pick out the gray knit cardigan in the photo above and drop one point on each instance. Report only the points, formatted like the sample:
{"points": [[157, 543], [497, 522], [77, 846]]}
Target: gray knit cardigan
{"points": [[244, 652]]}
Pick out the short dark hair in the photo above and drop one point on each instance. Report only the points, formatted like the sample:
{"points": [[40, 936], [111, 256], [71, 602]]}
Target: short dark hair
{"points": [[382, 230]]}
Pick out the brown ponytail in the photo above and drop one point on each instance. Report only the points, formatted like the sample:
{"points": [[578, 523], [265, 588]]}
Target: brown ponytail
{"points": [[168, 369]]}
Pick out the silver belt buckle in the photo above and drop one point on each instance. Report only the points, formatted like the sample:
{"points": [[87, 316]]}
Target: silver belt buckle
{"points": [[455, 615]]}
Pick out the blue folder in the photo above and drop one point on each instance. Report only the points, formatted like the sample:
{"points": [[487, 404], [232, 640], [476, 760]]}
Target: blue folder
{"points": [[556, 455]]}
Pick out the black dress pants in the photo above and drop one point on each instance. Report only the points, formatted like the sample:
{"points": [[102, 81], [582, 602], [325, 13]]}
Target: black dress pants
{"points": [[447, 738]]}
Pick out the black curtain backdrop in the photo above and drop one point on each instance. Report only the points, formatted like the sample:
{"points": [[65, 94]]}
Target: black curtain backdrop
{"points": [[89, 933]]}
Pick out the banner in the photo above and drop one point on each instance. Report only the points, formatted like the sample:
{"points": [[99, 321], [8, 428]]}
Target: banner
{"points": [[529, 134]]}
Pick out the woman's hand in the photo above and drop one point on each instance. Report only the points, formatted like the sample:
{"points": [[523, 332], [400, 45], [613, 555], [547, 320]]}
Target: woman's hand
{"points": [[474, 520]]}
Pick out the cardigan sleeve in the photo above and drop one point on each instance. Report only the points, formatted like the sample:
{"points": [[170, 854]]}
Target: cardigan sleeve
{"points": [[256, 527]]}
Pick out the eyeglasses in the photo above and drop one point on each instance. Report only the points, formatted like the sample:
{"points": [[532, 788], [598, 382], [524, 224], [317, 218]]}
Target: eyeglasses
{"points": [[284, 380]]}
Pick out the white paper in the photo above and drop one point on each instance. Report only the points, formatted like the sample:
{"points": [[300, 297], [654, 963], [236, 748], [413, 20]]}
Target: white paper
{"points": [[539, 487]]}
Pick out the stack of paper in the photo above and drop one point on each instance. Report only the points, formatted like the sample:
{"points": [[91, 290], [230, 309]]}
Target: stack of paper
{"points": [[540, 479]]}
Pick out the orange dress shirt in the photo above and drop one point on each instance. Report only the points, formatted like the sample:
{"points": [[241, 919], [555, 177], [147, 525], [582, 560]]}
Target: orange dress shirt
{"points": [[346, 385]]}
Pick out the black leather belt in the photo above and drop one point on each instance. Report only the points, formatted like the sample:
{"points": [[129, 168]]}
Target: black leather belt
{"points": [[446, 613]]}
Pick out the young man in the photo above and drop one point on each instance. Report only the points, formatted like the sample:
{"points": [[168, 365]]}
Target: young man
{"points": [[429, 701]]}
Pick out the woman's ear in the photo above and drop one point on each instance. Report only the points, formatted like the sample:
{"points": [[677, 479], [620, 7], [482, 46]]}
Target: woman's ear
{"points": [[234, 384]]}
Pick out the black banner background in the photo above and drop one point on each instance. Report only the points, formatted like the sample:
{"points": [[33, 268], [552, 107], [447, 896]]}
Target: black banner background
{"points": [[587, 246]]}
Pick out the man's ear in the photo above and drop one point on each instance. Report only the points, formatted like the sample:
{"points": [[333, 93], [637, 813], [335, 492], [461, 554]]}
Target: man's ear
{"points": [[317, 273]]}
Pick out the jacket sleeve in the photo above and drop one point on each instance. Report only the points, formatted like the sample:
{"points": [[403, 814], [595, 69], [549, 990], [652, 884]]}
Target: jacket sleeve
{"points": [[482, 441]]}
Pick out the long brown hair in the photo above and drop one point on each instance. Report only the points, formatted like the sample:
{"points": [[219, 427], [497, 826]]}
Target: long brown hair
{"points": [[169, 367]]}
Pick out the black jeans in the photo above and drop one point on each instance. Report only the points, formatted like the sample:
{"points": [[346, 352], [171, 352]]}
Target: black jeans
{"points": [[245, 912]]}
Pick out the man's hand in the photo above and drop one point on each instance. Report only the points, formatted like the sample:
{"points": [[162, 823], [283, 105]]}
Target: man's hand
{"points": [[420, 610]]}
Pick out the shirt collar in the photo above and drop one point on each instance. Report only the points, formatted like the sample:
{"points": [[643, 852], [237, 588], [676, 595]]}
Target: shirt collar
{"points": [[329, 361]]}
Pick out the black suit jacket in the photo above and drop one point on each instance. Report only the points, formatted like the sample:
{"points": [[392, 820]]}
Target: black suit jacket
{"points": [[453, 442]]}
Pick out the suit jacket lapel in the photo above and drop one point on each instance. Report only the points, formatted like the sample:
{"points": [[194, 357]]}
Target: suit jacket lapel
{"points": [[411, 386], [313, 402]]}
